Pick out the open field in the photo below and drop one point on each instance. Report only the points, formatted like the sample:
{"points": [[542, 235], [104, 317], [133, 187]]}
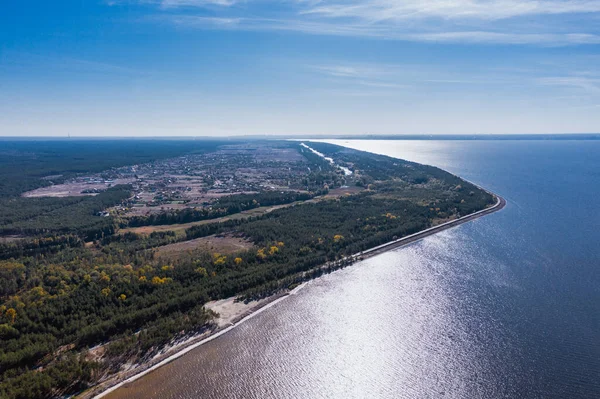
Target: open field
{"points": [[9, 239], [345, 190], [225, 244], [75, 188], [184, 226], [244, 214]]}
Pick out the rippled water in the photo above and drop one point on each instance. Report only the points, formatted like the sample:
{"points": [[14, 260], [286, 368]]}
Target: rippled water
{"points": [[505, 306]]}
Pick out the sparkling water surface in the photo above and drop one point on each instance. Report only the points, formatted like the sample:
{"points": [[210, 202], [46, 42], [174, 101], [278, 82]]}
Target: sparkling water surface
{"points": [[507, 306]]}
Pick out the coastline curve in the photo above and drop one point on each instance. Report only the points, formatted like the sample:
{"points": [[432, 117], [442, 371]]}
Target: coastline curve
{"points": [[194, 343]]}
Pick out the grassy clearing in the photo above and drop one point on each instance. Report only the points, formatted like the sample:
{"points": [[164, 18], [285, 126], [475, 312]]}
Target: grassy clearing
{"points": [[225, 244]]}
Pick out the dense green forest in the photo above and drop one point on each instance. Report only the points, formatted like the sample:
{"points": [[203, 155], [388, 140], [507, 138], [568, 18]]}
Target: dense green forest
{"points": [[34, 216], [77, 283]]}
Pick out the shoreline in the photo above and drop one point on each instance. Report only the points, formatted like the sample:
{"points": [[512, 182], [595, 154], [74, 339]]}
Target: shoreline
{"points": [[249, 311], [118, 380], [500, 204]]}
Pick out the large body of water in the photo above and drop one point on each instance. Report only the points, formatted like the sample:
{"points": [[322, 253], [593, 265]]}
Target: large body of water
{"points": [[507, 306]]}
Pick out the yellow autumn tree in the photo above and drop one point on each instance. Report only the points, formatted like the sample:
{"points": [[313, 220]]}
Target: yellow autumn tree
{"points": [[238, 261], [338, 238], [202, 271], [219, 259], [261, 253], [11, 315], [105, 278], [158, 281]]}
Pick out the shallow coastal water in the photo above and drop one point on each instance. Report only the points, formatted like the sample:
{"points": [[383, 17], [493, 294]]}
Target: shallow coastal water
{"points": [[505, 306]]}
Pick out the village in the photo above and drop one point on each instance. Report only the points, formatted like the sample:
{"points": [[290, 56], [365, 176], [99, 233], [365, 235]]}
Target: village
{"points": [[194, 181]]}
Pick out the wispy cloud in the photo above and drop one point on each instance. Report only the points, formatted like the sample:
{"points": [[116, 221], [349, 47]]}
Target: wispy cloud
{"points": [[373, 76], [400, 76], [589, 85], [65, 63], [167, 4], [203, 22], [402, 10], [547, 39], [387, 10], [382, 32], [196, 3], [351, 71], [436, 21]]}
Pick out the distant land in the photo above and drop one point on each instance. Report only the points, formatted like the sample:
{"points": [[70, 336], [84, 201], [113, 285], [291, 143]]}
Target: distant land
{"points": [[553, 136], [582, 136]]}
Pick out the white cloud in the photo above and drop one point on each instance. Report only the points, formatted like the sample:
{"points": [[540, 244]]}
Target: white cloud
{"points": [[167, 4], [548, 23], [350, 71], [362, 75], [205, 22], [402, 10], [398, 10], [548, 39], [383, 32], [196, 3], [587, 84]]}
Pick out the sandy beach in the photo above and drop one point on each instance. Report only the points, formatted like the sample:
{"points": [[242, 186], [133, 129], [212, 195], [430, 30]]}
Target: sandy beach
{"points": [[232, 312]]}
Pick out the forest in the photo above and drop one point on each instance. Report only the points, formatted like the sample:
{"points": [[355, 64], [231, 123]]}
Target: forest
{"points": [[224, 206], [73, 281], [35, 216], [31, 163]]}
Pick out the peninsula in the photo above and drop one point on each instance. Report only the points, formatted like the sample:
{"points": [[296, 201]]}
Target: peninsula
{"points": [[114, 261]]}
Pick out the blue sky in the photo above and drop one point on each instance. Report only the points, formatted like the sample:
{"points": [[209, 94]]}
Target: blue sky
{"points": [[236, 67]]}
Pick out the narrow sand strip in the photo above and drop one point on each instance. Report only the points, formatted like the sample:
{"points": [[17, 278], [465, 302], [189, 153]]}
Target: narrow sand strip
{"points": [[234, 313]]}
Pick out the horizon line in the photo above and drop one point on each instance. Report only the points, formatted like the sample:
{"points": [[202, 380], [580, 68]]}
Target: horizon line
{"points": [[441, 136]]}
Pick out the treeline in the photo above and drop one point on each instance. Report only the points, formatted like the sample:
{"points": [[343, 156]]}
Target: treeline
{"points": [[82, 309], [384, 168], [39, 246], [242, 202], [381, 167], [24, 164], [78, 215], [224, 206]]}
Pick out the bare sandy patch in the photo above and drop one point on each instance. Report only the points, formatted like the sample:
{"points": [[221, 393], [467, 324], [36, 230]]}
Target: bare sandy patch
{"points": [[179, 227], [342, 191], [11, 238], [73, 189], [225, 244]]}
